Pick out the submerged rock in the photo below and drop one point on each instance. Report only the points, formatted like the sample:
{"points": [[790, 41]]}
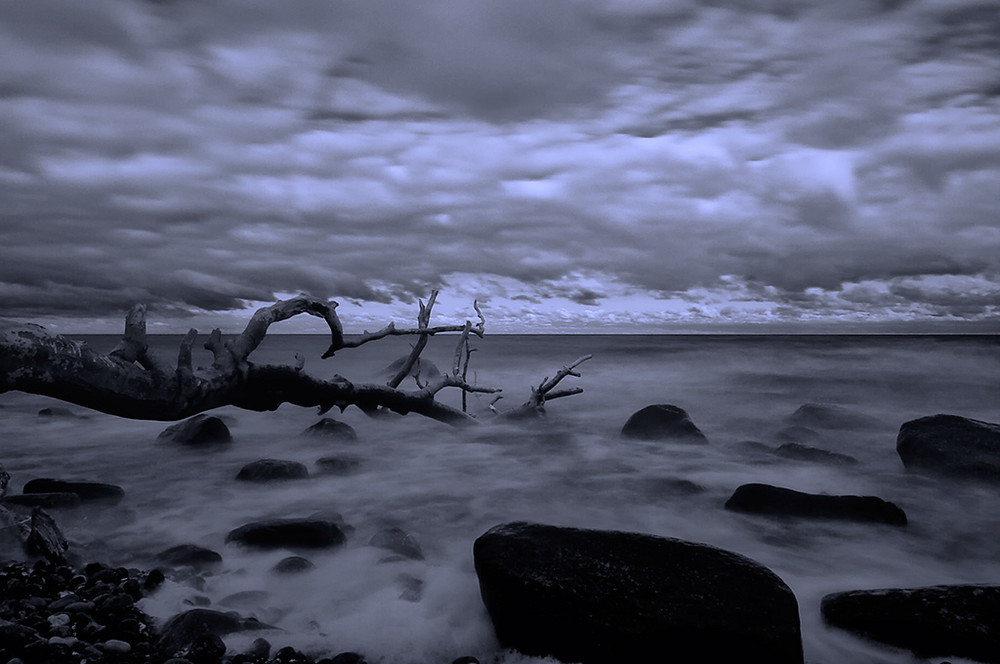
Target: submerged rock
{"points": [[189, 554], [4, 479], [181, 630], [198, 430], [271, 470], [332, 429], [662, 422], [800, 452], [338, 465], [935, 621], [397, 541], [608, 597], [951, 445], [778, 501], [290, 533], [88, 491], [831, 416], [61, 412], [796, 434], [293, 565]]}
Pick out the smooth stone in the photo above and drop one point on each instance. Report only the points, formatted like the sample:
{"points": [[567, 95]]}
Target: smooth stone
{"points": [[115, 646], [271, 470], [280, 533], [245, 599], [934, 621], [797, 434], [52, 500], [88, 491], [332, 429], [778, 501], [603, 597], [831, 416], [800, 452], [198, 430], [338, 465], [206, 649], [951, 445], [189, 554], [662, 422], [348, 658], [397, 541], [182, 629], [293, 565]]}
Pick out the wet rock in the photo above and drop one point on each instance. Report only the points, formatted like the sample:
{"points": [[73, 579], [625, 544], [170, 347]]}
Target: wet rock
{"points": [[291, 533], [189, 554], [59, 412], [800, 452], [935, 621], [662, 422], [468, 659], [4, 479], [181, 630], [601, 597], [348, 658], [198, 430], [332, 429], [271, 470], [44, 537], [53, 500], [293, 565], [154, 579], [831, 416], [801, 435], [245, 599], [338, 465], [670, 487], [951, 445], [413, 587], [260, 648], [88, 491], [778, 501], [397, 541], [206, 649]]}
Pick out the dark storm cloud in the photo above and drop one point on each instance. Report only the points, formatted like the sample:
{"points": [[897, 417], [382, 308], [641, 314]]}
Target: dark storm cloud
{"points": [[208, 155]]}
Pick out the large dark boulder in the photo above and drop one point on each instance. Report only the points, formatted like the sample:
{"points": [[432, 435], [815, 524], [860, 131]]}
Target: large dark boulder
{"points": [[332, 429], [288, 533], [951, 445], [88, 491], [184, 628], [189, 554], [46, 500], [272, 470], [662, 422], [609, 597], [778, 501], [198, 430], [936, 621], [831, 416]]}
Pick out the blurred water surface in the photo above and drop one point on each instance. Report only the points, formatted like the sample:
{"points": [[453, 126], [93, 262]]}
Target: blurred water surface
{"points": [[445, 486]]}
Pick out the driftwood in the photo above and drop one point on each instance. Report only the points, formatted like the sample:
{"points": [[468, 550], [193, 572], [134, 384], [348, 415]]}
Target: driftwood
{"points": [[131, 382]]}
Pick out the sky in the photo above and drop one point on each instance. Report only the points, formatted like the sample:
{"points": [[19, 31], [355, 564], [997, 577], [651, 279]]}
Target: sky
{"points": [[607, 166]]}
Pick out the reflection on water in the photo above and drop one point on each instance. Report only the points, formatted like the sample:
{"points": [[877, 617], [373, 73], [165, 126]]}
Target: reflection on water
{"points": [[445, 487]]}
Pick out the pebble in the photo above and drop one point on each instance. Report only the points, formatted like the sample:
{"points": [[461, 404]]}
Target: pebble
{"points": [[114, 645]]}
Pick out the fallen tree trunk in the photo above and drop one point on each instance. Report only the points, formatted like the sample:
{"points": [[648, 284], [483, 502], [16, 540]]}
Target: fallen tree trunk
{"points": [[130, 382]]}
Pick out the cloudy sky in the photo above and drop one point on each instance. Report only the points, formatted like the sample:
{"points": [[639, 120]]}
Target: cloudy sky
{"points": [[576, 165]]}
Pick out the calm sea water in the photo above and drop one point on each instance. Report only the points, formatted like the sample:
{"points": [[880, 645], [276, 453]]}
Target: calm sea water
{"points": [[446, 487]]}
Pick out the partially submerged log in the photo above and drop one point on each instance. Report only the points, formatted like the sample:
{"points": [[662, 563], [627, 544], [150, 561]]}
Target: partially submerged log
{"points": [[131, 382]]}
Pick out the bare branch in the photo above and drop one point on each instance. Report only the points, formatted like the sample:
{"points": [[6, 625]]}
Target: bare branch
{"points": [[423, 320]]}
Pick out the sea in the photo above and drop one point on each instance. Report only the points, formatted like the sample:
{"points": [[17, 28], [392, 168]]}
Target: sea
{"points": [[446, 486]]}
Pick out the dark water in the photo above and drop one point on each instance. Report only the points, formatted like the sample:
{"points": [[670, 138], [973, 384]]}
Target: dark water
{"points": [[446, 487]]}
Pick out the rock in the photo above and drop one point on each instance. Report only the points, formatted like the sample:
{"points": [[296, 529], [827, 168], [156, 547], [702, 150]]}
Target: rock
{"points": [[332, 429], [468, 659], [348, 658], [189, 554], [115, 646], [831, 416], [397, 541], [800, 452], [206, 649], [935, 621], [338, 465], [4, 479], [181, 630], [245, 599], [951, 445], [801, 435], [88, 491], [608, 597], [778, 501], [662, 422], [44, 537], [46, 500], [291, 533], [59, 411], [198, 430], [270, 470], [663, 487], [293, 565]]}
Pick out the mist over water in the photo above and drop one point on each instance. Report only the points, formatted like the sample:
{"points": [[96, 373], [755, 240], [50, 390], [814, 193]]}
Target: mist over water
{"points": [[445, 487]]}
